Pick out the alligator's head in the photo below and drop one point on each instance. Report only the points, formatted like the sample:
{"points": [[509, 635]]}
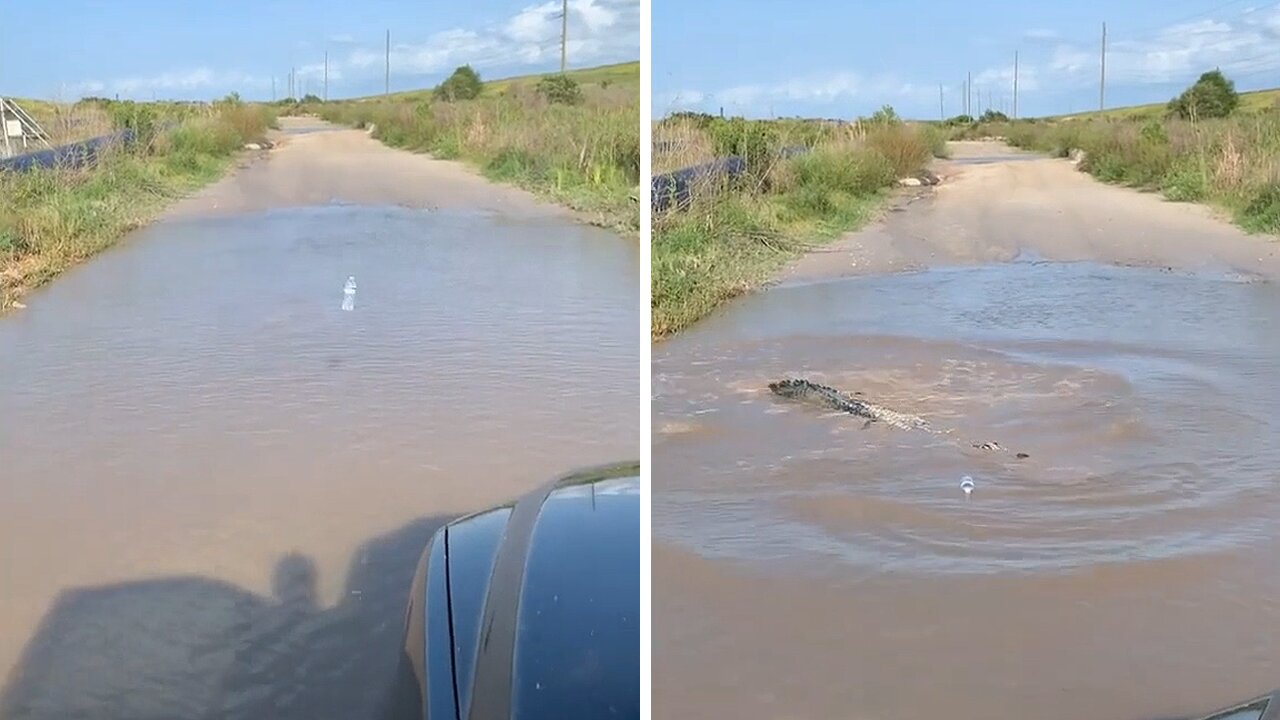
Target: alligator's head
{"points": [[787, 388]]}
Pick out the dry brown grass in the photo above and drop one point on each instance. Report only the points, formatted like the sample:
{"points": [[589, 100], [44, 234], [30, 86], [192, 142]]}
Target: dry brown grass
{"points": [[679, 144], [69, 122]]}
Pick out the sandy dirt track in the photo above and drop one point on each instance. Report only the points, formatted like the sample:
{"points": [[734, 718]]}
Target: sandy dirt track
{"points": [[996, 203], [316, 163]]}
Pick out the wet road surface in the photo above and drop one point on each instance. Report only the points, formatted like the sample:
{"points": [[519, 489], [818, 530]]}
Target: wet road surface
{"points": [[214, 482], [805, 567]]}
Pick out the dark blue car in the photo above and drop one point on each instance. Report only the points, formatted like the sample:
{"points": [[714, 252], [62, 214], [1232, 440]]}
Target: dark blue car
{"points": [[530, 610]]}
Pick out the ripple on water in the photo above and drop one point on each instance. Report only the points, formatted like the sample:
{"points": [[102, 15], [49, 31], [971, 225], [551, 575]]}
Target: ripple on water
{"points": [[1148, 434]]}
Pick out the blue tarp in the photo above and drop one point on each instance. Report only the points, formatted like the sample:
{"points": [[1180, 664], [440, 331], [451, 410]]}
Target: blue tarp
{"points": [[675, 189], [73, 155]]}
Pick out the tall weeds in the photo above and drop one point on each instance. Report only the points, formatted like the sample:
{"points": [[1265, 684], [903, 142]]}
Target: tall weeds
{"points": [[735, 235], [586, 156], [51, 219]]}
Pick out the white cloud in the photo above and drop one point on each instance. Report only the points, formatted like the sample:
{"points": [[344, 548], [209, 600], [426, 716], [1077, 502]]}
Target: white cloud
{"points": [[174, 83], [1246, 44], [825, 89], [1028, 78], [1243, 45], [599, 31]]}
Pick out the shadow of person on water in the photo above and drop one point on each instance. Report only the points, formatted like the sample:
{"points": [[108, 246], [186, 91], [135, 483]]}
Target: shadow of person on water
{"points": [[193, 648]]}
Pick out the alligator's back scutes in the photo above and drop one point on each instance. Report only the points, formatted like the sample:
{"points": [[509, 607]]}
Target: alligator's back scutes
{"points": [[812, 392], [807, 391]]}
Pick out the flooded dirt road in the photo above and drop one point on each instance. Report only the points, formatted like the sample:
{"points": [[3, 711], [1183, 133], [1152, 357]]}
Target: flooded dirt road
{"points": [[806, 567], [997, 202], [215, 482]]}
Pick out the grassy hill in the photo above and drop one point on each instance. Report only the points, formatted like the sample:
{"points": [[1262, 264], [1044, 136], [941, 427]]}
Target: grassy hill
{"points": [[1253, 101], [624, 75]]}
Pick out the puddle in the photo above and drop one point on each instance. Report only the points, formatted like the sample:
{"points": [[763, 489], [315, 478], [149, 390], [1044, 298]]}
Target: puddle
{"points": [[1125, 569], [216, 482]]}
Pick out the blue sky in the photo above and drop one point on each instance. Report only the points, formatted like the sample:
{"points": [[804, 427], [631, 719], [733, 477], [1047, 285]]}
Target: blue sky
{"points": [[184, 49], [842, 59]]}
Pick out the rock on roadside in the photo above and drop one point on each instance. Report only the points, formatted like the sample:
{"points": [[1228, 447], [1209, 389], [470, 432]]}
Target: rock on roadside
{"points": [[926, 178]]}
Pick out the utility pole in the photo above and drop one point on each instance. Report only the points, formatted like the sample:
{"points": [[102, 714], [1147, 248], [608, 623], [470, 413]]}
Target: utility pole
{"points": [[1102, 82], [1015, 85], [564, 35], [942, 105], [387, 80], [326, 76]]}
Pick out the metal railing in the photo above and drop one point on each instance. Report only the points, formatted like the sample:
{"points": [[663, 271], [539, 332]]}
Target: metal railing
{"points": [[16, 124]]}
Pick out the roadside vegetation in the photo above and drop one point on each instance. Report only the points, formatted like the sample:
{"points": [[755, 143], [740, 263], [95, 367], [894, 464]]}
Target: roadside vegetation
{"points": [[573, 138], [50, 219], [1208, 145], [804, 182]]}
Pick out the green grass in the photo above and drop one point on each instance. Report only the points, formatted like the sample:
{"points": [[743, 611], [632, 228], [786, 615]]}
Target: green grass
{"points": [[737, 236], [584, 156], [53, 219], [1250, 102], [621, 75]]}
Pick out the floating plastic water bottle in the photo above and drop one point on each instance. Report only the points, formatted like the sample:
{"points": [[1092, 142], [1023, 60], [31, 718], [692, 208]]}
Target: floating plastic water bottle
{"points": [[966, 484], [349, 294]]}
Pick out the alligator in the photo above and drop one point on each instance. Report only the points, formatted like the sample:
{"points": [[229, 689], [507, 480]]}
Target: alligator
{"points": [[824, 396], [812, 392]]}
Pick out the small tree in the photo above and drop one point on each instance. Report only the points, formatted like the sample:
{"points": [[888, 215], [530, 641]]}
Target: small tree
{"points": [[993, 116], [311, 98], [1212, 96], [885, 116], [463, 84], [560, 89]]}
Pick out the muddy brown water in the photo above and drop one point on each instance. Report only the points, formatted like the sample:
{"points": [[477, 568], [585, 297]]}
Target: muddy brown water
{"points": [[805, 567], [214, 482]]}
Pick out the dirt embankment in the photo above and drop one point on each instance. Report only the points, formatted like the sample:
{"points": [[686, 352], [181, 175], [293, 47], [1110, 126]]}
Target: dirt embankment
{"points": [[315, 163], [996, 204]]}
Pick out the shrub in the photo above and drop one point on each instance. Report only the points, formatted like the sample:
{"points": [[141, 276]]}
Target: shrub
{"points": [[842, 167], [560, 89], [139, 119], [906, 149], [886, 115], [993, 116], [1262, 214], [699, 120], [1212, 96], [463, 84], [1186, 181], [755, 142]]}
